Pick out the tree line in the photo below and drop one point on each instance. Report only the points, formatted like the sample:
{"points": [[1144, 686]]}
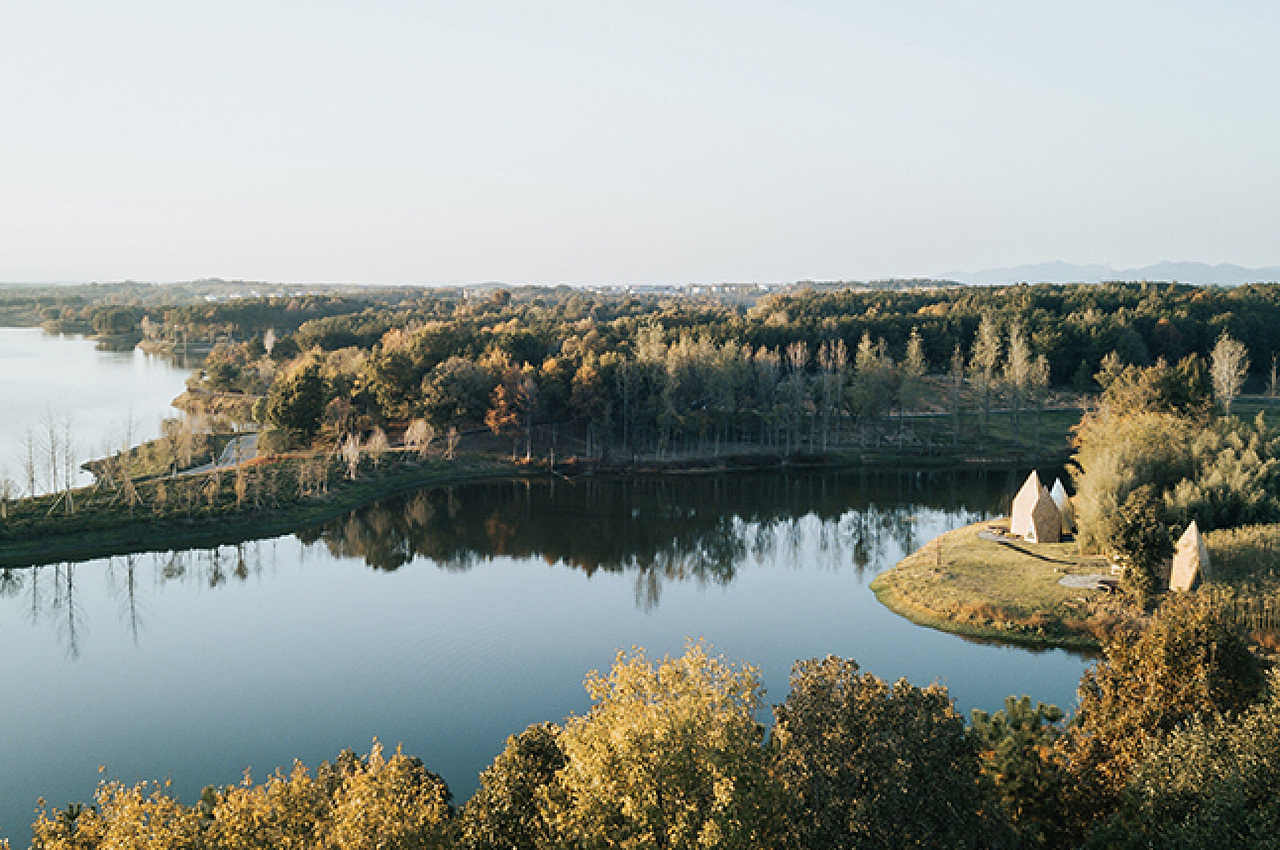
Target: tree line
{"points": [[795, 371], [654, 393]]}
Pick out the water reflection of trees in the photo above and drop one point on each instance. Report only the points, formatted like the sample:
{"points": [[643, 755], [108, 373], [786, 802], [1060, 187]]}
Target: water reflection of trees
{"points": [[52, 595], [695, 528], [673, 528]]}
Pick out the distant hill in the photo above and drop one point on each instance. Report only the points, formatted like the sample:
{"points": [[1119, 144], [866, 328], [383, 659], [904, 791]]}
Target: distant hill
{"points": [[1224, 274]]}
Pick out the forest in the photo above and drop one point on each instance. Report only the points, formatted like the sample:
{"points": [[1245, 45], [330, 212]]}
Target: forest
{"points": [[795, 371]]}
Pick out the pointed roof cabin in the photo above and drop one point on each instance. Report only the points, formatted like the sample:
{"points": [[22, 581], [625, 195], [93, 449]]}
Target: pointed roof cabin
{"points": [[1036, 517], [1063, 501], [1190, 560]]}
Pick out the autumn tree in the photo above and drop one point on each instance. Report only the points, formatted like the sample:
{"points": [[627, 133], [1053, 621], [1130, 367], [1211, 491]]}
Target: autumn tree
{"points": [[289, 812], [511, 808], [1142, 541], [391, 804], [872, 389], [295, 401], [512, 406], [589, 402], [955, 383], [911, 375], [456, 392], [866, 764], [984, 362], [142, 815], [1018, 367], [1020, 758], [1185, 663], [670, 755], [833, 360], [1213, 781]]}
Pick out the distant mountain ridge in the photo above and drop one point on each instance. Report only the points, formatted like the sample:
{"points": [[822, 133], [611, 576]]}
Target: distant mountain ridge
{"points": [[1223, 274]]}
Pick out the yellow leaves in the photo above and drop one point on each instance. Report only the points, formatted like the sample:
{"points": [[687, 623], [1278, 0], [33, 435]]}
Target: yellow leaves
{"points": [[139, 817], [670, 755], [389, 804]]}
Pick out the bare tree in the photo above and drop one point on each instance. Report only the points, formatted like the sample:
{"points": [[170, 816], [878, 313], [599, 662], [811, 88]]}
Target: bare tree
{"points": [[351, 451], [419, 436], [29, 461], [983, 362], [8, 489], [1229, 364], [451, 440], [377, 446], [51, 443], [68, 464], [1273, 385], [125, 474], [1018, 367], [956, 376]]}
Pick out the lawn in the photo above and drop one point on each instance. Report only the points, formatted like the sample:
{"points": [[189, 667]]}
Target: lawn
{"points": [[962, 583]]}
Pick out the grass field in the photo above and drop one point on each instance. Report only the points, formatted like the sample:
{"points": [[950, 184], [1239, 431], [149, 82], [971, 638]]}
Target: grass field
{"points": [[983, 588]]}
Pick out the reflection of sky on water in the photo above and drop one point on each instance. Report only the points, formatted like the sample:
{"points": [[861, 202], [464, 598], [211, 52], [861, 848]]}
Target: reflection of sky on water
{"points": [[107, 395], [195, 665]]}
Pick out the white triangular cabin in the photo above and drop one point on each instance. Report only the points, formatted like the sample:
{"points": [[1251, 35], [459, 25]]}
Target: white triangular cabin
{"points": [[1190, 560], [1063, 501], [1036, 517]]}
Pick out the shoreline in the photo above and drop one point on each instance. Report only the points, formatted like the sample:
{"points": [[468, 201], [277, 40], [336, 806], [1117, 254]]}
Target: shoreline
{"points": [[64, 538], [978, 588], [928, 619]]}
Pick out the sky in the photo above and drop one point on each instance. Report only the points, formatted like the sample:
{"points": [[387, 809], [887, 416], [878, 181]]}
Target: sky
{"points": [[631, 142]]}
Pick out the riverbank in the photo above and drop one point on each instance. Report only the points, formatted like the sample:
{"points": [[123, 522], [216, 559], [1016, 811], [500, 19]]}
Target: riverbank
{"points": [[1010, 592], [187, 511], [281, 494]]}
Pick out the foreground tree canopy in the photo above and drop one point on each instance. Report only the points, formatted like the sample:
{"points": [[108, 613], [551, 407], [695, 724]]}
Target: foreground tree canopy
{"points": [[1175, 745]]}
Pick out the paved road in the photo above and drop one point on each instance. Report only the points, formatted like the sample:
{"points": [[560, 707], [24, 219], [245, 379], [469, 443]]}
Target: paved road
{"points": [[248, 444]]}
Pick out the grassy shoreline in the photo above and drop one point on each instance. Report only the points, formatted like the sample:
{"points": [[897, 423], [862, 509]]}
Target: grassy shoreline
{"points": [[64, 541], [110, 530], [977, 588]]}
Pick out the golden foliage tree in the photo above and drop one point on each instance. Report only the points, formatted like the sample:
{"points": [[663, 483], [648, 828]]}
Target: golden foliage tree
{"points": [[1185, 663], [669, 756]]}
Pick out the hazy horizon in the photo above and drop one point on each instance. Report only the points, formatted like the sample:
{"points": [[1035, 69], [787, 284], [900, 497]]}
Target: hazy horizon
{"points": [[586, 143]]}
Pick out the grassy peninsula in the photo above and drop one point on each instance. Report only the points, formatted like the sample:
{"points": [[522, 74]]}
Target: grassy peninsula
{"points": [[1003, 590]]}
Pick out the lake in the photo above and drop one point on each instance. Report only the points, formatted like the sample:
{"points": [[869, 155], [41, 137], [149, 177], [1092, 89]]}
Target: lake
{"points": [[106, 396], [450, 618]]}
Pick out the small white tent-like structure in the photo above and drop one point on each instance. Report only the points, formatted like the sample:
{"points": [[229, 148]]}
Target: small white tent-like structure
{"points": [[1035, 518], [1190, 560], [1063, 501]]}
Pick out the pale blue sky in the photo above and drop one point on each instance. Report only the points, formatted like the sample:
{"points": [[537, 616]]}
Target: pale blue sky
{"points": [[587, 142]]}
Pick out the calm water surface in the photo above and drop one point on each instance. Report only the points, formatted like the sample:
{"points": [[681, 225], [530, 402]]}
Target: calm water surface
{"points": [[450, 618], [106, 395]]}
